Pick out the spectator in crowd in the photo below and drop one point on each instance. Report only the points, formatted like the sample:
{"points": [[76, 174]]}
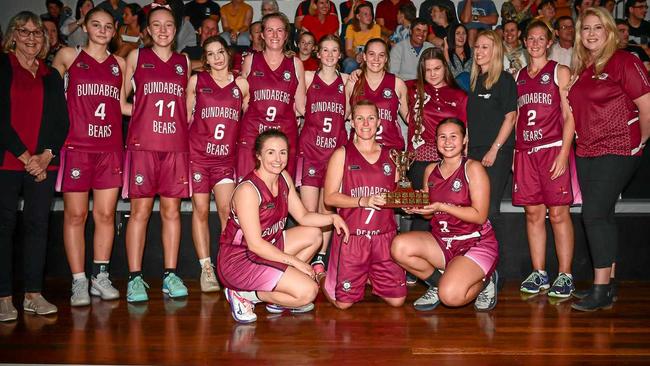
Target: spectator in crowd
{"points": [[269, 7], [116, 8], [427, 5], [459, 55], [562, 50], [129, 35], [624, 43], [516, 10], [55, 12], [256, 40], [322, 22], [442, 19], [404, 55], [236, 18], [208, 29], [609, 5], [309, 7], [405, 18], [386, 14], [581, 5], [256, 45], [72, 27], [33, 127], [197, 10], [514, 56], [52, 33], [546, 12], [639, 27], [306, 47], [362, 29], [347, 9], [477, 15]]}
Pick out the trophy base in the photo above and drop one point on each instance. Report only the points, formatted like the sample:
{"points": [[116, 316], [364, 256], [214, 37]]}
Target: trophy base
{"points": [[406, 198]]}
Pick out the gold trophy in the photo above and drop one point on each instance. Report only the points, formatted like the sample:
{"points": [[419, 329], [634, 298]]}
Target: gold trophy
{"points": [[404, 195]]}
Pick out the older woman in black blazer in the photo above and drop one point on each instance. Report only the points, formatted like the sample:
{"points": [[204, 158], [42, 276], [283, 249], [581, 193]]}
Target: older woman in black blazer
{"points": [[33, 127]]}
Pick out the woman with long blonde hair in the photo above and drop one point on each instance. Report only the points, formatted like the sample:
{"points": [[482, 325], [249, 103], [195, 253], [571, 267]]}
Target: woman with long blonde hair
{"points": [[610, 99]]}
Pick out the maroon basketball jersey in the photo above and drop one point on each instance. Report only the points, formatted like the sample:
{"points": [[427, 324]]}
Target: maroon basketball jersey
{"points": [[387, 101], [539, 120], [361, 179], [215, 126], [271, 99], [273, 213], [452, 191], [324, 129], [607, 119], [439, 104], [159, 120], [93, 94]]}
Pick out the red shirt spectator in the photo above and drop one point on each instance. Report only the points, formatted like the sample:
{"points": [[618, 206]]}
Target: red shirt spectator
{"points": [[386, 15], [303, 10]]}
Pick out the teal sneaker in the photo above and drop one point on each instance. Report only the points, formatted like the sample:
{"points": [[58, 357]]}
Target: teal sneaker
{"points": [[136, 290], [174, 286]]}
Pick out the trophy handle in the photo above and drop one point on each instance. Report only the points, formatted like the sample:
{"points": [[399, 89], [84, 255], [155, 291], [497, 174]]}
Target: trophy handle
{"points": [[411, 158], [394, 156]]}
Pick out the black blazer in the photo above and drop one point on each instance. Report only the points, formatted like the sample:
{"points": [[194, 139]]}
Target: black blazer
{"points": [[54, 123]]}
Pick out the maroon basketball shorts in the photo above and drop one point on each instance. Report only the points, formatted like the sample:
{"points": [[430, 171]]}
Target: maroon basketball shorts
{"points": [[242, 270], [206, 176], [351, 264], [82, 171], [311, 172], [532, 183], [151, 173], [480, 246]]}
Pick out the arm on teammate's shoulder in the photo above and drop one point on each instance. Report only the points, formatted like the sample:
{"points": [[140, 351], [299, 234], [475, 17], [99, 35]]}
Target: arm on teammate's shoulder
{"points": [[242, 83]]}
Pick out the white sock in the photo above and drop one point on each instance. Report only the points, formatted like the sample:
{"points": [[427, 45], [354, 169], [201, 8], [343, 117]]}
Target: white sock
{"points": [[542, 272], [568, 275], [205, 260], [250, 296], [78, 276]]}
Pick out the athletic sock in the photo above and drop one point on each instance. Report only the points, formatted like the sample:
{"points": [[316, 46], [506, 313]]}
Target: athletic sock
{"points": [[100, 266], [542, 272], [135, 274], [78, 276], [567, 274], [250, 296], [168, 271], [205, 260], [432, 281]]}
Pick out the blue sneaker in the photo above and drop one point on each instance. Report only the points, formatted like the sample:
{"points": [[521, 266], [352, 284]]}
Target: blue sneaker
{"points": [[535, 282], [136, 290], [562, 286], [278, 309], [174, 286]]}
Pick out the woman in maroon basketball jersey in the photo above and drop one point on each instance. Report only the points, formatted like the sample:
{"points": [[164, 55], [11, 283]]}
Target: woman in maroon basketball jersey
{"points": [[92, 156], [610, 99], [386, 90], [259, 259], [461, 241], [215, 100], [277, 89], [157, 151], [323, 131], [543, 147]]}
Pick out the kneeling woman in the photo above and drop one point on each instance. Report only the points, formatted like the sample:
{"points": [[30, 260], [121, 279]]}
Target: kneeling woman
{"points": [[357, 175], [259, 260], [461, 242]]}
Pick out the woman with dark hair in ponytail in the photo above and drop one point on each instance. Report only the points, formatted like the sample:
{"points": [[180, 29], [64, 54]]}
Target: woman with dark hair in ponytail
{"points": [[385, 90]]}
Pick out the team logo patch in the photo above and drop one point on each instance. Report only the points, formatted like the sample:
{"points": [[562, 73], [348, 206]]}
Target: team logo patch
{"points": [[340, 87], [521, 82], [148, 66], [115, 70], [197, 177], [387, 169], [602, 76], [286, 76], [387, 93], [485, 96], [347, 286], [258, 73], [82, 65], [139, 179], [75, 173], [311, 171], [545, 78], [354, 167], [179, 69], [206, 90], [235, 93], [457, 185]]}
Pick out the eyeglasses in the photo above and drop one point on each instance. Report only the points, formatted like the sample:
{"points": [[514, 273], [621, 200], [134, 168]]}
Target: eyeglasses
{"points": [[25, 33]]}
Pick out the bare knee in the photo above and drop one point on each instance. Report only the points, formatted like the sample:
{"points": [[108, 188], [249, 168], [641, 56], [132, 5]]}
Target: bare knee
{"points": [[395, 302], [140, 215], [103, 217], [535, 216], [309, 294], [170, 213], [559, 215], [200, 212], [315, 236], [399, 249], [452, 295], [342, 305], [75, 217]]}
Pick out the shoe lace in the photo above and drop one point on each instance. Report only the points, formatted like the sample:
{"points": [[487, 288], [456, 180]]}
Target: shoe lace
{"points": [[174, 281], [535, 278], [208, 269], [79, 286], [562, 281], [138, 284], [103, 281], [482, 297], [431, 293], [246, 304]]}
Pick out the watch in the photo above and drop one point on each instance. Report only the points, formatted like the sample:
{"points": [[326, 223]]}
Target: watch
{"points": [[475, 18]]}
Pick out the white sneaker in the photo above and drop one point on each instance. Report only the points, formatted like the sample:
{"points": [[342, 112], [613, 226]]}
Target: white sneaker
{"points": [[80, 295], [209, 281], [278, 309], [102, 287], [242, 310], [487, 299], [429, 301]]}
